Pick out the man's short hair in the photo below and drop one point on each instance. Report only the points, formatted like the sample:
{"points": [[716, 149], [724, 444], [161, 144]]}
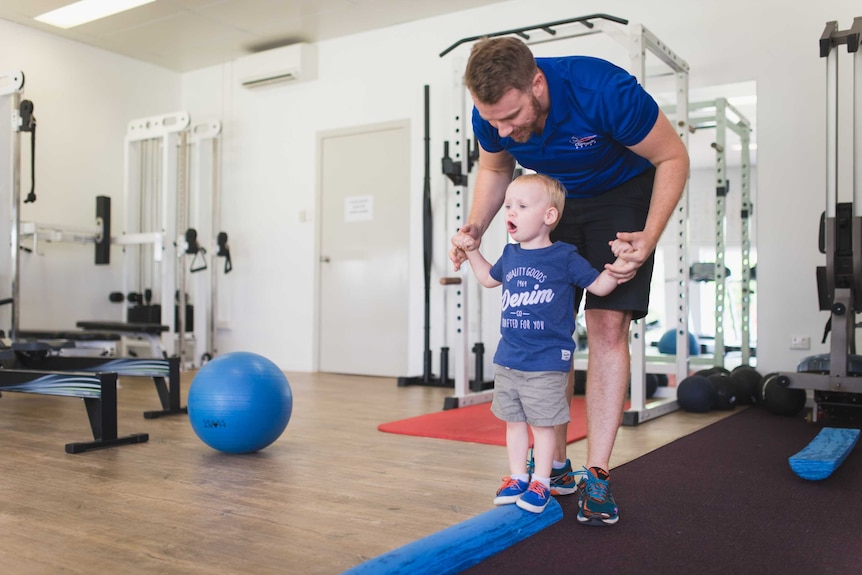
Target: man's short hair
{"points": [[496, 65]]}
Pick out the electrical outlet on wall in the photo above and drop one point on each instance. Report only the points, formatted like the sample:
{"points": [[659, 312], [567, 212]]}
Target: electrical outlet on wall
{"points": [[800, 342]]}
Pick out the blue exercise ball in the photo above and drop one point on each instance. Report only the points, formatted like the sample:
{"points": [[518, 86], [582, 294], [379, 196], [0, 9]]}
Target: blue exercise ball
{"points": [[667, 343], [239, 402]]}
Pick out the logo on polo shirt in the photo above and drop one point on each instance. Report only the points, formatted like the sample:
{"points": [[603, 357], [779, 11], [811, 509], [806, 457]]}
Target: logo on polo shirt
{"points": [[583, 142]]}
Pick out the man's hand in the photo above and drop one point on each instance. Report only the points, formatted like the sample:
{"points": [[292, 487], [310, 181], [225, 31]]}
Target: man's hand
{"points": [[629, 261], [618, 247]]}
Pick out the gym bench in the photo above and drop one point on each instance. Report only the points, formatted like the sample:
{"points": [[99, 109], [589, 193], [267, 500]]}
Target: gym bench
{"points": [[42, 355], [98, 390]]}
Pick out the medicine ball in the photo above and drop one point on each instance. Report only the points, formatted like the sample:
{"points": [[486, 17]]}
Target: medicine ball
{"points": [[725, 396], [746, 384], [651, 384], [696, 393], [780, 400], [706, 372], [651, 380]]}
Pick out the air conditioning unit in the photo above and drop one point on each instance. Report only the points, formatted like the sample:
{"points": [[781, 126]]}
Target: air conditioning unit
{"points": [[288, 63]]}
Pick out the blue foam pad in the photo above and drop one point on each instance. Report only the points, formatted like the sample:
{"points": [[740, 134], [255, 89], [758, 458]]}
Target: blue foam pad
{"points": [[824, 454], [463, 545]]}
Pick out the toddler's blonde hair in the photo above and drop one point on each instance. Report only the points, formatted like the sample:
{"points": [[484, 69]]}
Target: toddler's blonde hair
{"points": [[552, 186]]}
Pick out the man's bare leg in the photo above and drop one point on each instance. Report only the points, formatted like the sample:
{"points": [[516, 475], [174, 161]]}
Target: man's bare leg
{"points": [[607, 381]]}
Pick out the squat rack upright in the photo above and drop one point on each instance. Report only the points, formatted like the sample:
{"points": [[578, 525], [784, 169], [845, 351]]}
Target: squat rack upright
{"points": [[723, 116]]}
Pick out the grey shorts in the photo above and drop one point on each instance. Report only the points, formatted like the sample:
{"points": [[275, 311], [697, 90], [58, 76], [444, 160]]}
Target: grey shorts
{"points": [[536, 397]]}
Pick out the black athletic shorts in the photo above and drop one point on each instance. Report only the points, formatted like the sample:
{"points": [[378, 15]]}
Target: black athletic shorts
{"points": [[590, 223]]}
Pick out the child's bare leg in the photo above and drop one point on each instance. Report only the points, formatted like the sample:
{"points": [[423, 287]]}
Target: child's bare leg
{"points": [[538, 494], [544, 445], [517, 444]]}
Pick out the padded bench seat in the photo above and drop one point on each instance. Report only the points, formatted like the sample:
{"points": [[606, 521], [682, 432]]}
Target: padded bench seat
{"points": [[123, 327], [76, 335]]}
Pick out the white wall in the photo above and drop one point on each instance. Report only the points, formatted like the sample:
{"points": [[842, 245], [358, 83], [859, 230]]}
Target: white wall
{"points": [[269, 182], [269, 147], [83, 99]]}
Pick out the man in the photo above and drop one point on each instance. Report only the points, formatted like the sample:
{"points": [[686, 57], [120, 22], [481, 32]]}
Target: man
{"points": [[589, 124]]}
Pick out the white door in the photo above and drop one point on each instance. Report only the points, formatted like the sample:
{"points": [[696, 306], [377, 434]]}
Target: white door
{"points": [[365, 213]]}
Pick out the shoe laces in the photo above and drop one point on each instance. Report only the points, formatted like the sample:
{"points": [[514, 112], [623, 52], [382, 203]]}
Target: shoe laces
{"points": [[538, 489], [507, 483], [597, 489], [574, 475]]}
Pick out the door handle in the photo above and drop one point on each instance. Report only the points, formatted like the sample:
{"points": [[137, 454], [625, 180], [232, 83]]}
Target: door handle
{"points": [[324, 259]]}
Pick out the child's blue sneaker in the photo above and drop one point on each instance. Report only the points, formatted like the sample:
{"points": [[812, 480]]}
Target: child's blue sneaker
{"points": [[510, 491], [535, 499]]}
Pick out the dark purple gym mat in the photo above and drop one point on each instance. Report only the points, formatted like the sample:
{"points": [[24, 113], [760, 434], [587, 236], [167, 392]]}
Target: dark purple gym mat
{"points": [[721, 500]]}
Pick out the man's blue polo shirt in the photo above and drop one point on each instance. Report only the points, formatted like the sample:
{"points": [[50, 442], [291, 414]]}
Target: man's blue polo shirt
{"points": [[597, 109]]}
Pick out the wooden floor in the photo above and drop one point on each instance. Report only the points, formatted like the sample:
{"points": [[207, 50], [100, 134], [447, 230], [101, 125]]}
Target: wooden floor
{"points": [[330, 493]]}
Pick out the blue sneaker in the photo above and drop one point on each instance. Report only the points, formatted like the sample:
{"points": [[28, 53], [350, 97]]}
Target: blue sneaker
{"points": [[564, 481], [595, 502], [510, 491], [535, 499]]}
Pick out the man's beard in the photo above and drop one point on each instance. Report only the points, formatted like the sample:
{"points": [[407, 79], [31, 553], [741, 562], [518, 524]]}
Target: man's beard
{"points": [[522, 135]]}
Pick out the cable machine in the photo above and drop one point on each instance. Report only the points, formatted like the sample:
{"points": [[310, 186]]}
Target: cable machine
{"points": [[171, 198], [835, 377]]}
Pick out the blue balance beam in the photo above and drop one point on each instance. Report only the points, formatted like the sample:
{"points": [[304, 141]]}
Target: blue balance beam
{"points": [[461, 546], [824, 454]]}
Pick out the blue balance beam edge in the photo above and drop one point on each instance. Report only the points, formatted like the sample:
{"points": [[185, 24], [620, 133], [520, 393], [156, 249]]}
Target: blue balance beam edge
{"points": [[824, 454], [463, 545]]}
